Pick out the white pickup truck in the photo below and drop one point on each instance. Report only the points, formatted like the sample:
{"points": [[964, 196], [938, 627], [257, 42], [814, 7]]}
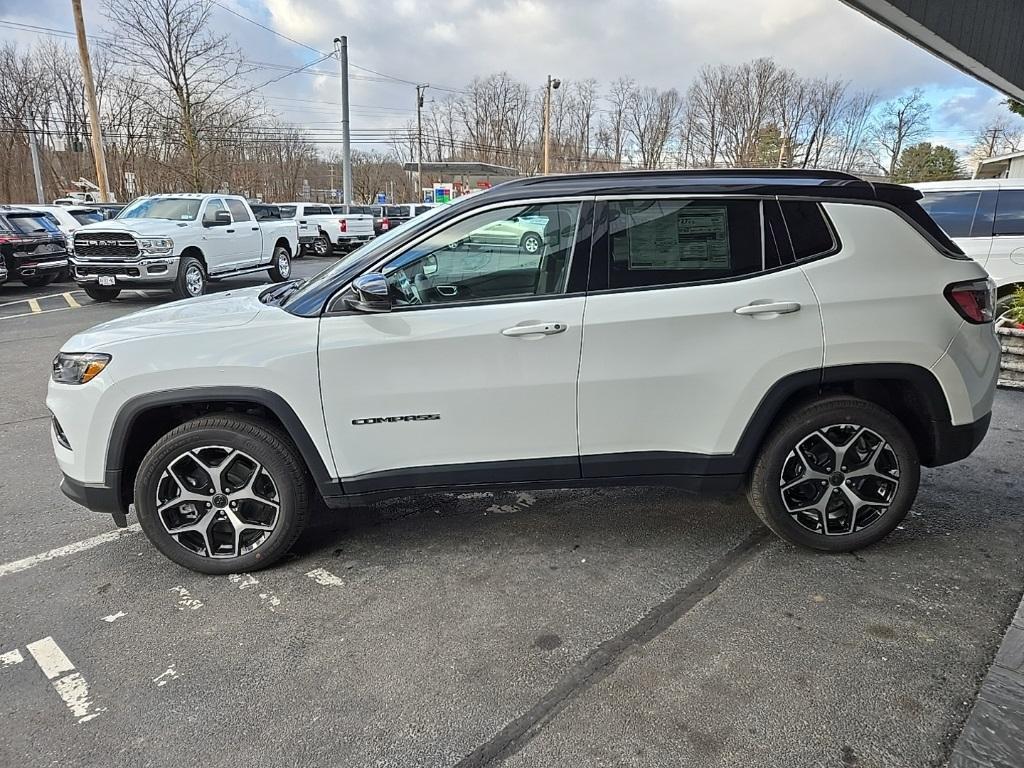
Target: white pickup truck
{"points": [[180, 242], [322, 230]]}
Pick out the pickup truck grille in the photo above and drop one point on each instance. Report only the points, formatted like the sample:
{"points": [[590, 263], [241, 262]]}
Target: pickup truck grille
{"points": [[106, 245]]}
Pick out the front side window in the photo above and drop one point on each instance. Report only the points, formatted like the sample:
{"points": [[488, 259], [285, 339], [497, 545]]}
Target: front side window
{"points": [[675, 242], [952, 210], [212, 209], [238, 212], [1010, 212], [506, 253]]}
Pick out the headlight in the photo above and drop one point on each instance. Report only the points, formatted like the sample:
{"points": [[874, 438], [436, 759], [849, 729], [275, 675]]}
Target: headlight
{"points": [[78, 367], [156, 244]]}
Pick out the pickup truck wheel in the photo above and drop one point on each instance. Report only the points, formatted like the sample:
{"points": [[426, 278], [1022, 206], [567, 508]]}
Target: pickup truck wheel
{"points": [[281, 266], [836, 475], [191, 280], [222, 494], [96, 293], [322, 246]]}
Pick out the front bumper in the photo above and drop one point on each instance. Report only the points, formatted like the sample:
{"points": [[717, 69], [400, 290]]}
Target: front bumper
{"points": [[98, 497], [152, 270]]}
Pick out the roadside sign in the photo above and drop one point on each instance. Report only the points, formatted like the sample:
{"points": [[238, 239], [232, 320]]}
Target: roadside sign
{"points": [[381, 198], [428, 195]]}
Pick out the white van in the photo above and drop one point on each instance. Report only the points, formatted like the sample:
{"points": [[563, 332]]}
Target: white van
{"points": [[985, 217]]}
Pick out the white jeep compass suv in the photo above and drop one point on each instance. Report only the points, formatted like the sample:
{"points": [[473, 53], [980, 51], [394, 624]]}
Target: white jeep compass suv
{"points": [[808, 336]]}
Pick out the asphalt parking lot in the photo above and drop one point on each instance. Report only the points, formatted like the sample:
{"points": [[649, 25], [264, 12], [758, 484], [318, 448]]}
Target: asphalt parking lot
{"points": [[606, 627]]}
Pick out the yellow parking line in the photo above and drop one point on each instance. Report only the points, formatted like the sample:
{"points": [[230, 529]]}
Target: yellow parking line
{"points": [[33, 304], [71, 300]]}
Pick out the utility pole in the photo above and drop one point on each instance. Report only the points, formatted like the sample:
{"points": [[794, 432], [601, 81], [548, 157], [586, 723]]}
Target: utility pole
{"points": [[94, 111], [33, 148], [553, 83], [992, 141], [341, 49], [419, 140]]}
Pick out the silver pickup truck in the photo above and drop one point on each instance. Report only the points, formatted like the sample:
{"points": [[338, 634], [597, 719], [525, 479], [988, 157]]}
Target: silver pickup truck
{"points": [[180, 242]]}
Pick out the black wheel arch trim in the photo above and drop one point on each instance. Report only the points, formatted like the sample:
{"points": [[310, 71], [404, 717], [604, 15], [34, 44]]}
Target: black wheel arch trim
{"points": [[274, 403]]}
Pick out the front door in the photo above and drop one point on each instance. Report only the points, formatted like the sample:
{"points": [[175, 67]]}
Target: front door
{"points": [[471, 378], [248, 240], [219, 246], [696, 311]]}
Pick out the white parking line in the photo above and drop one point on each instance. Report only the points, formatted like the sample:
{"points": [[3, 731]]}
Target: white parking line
{"points": [[69, 684], [6, 569], [11, 658]]}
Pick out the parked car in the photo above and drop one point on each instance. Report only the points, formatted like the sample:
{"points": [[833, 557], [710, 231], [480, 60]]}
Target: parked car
{"points": [[385, 217], [985, 217], [32, 247], [180, 242], [69, 218], [321, 230], [804, 335]]}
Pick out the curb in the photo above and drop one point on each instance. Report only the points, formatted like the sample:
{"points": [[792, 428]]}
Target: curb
{"points": [[994, 734]]}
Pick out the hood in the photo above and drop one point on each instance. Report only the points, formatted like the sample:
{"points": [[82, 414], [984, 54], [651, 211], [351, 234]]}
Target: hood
{"points": [[141, 227], [217, 311]]}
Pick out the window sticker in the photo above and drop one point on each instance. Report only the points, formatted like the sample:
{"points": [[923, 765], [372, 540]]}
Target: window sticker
{"points": [[687, 238]]}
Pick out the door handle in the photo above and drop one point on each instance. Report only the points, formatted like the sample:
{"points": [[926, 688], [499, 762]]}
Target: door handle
{"points": [[768, 308], [255, 229], [230, 231], [534, 329]]}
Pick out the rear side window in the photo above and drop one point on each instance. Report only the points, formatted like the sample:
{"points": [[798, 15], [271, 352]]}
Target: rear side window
{"points": [[238, 212], [317, 210], [287, 211], [809, 230], [396, 210], [675, 242], [952, 210], [1009, 213], [420, 209]]}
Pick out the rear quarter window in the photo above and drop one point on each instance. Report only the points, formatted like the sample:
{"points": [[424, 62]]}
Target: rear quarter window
{"points": [[808, 228]]}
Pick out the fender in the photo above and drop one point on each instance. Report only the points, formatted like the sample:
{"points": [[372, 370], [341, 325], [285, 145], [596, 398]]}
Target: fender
{"points": [[134, 408]]}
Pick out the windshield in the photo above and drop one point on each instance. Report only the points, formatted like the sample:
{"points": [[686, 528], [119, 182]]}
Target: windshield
{"points": [[172, 208], [87, 216], [360, 258]]}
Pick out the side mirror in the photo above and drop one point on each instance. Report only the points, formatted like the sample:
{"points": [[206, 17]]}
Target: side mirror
{"points": [[220, 219], [370, 293]]}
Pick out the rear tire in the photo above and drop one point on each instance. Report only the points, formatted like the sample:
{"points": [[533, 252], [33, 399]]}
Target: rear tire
{"points": [[322, 245], [261, 503], [96, 293], [836, 475], [281, 268], [191, 280]]}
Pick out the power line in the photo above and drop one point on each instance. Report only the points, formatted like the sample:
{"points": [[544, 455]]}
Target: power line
{"points": [[268, 29]]}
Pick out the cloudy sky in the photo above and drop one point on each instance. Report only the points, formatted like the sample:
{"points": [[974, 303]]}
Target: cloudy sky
{"points": [[656, 42]]}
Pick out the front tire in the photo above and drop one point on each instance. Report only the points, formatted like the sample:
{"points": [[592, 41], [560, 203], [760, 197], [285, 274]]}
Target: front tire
{"points": [[836, 475], [96, 293], [191, 280], [223, 494], [281, 266]]}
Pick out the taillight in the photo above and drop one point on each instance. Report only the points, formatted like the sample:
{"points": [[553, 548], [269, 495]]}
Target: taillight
{"points": [[974, 301], [385, 224], [344, 225]]}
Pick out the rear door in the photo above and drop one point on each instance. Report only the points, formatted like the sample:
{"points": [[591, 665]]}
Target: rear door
{"points": [[695, 311], [248, 238]]}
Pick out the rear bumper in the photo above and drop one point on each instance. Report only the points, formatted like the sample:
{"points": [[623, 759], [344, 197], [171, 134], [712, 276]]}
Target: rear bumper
{"points": [[953, 443]]}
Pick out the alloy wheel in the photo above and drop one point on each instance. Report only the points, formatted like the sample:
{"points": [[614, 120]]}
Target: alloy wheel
{"points": [[531, 244], [217, 502], [284, 264], [194, 280], [321, 246], [839, 479]]}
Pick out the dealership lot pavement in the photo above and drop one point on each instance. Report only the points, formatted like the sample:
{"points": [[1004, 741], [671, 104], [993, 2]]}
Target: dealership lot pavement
{"points": [[606, 627]]}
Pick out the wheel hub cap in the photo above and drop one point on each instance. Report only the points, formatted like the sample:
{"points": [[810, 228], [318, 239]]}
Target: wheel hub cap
{"points": [[839, 479], [216, 501]]}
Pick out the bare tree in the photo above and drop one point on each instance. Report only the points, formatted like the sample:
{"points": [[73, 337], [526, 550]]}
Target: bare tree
{"points": [[652, 119], [196, 74], [901, 122]]}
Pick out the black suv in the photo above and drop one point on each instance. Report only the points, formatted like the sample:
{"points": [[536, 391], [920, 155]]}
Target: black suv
{"points": [[32, 248]]}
